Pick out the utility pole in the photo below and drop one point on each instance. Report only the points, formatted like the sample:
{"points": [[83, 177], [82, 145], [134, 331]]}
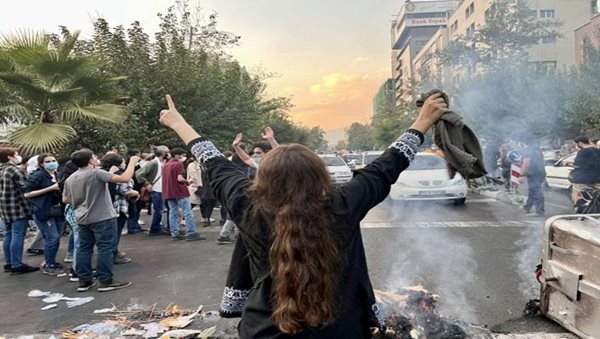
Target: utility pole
{"points": [[191, 37]]}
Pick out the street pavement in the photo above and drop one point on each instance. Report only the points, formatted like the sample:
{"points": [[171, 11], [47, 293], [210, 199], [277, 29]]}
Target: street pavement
{"points": [[479, 258]]}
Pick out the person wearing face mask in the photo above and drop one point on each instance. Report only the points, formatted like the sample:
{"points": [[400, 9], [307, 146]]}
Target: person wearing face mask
{"points": [[14, 211], [259, 150], [42, 190]]}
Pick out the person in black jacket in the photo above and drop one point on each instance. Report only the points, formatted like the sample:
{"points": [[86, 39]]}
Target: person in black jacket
{"points": [[299, 267], [586, 174]]}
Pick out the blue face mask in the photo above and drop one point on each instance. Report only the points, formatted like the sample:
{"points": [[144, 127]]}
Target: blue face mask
{"points": [[257, 160], [52, 166]]}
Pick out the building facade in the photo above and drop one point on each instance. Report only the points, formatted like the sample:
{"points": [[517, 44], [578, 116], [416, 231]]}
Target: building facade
{"points": [[468, 15], [411, 29], [587, 36]]}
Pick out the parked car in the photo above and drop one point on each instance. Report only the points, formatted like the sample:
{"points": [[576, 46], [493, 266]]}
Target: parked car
{"points": [[339, 172], [557, 175], [427, 178], [368, 157], [352, 159]]}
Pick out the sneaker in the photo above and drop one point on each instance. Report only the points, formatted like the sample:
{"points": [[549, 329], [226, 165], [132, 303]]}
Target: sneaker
{"points": [[33, 251], [206, 223], [161, 232], [68, 258], [7, 268], [178, 237], [141, 222], [194, 237], [73, 275], [85, 286], [24, 268], [182, 223], [113, 285], [222, 222], [224, 240], [120, 260], [122, 254], [53, 270]]}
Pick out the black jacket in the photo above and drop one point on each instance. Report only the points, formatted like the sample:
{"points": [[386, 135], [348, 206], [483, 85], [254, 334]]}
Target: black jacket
{"points": [[248, 290]]}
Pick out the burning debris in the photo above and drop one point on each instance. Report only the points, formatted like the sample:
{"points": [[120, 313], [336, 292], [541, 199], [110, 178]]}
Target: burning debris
{"points": [[411, 314]]}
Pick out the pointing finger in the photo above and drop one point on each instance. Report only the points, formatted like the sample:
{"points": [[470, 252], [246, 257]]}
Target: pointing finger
{"points": [[170, 102]]}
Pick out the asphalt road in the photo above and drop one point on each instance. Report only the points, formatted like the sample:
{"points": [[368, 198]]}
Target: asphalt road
{"points": [[479, 258]]}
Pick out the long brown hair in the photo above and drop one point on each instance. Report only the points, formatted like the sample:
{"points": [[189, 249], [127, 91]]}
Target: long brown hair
{"points": [[293, 188]]}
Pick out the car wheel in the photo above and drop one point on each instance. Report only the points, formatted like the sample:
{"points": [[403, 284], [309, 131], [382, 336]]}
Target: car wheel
{"points": [[459, 202]]}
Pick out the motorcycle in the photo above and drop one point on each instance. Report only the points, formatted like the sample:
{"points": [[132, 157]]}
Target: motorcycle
{"points": [[588, 201]]}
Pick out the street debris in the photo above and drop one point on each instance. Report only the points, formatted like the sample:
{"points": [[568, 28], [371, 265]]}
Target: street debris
{"points": [[38, 294], [79, 301], [532, 308], [411, 314], [105, 310], [54, 298], [47, 307], [146, 322]]}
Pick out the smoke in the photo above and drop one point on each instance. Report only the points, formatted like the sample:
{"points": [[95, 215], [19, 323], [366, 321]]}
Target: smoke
{"points": [[440, 261]]}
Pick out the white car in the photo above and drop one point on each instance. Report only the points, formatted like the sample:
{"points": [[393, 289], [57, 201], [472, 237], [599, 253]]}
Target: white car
{"points": [[368, 157], [427, 178], [557, 175], [339, 172]]}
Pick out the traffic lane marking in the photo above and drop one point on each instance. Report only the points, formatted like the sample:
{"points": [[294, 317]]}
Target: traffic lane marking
{"points": [[453, 224]]}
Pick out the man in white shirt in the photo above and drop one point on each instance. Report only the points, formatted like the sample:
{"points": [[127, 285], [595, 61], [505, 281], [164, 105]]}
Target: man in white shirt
{"points": [[151, 175]]}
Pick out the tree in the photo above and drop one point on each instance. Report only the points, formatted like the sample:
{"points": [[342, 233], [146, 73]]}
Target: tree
{"points": [[511, 28], [584, 90], [49, 86], [360, 136], [391, 120]]}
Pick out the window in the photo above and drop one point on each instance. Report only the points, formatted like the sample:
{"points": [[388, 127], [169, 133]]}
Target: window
{"points": [[469, 10], [548, 39], [454, 26], [471, 29], [547, 14]]}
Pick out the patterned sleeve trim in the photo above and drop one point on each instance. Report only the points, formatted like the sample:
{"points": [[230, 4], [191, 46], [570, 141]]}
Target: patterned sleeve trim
{"points": [[408, 143], [233, 301], [377, 315], [204, 149]]}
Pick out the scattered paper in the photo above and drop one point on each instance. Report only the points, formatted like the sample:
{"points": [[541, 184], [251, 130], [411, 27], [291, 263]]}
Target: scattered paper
{"points": [[208, 332], [79, 301], [180, 321], [106, 310], [51, 306], [105, 328], [38, 294], [177, 334], [53, 298], [133, 332], [153, 329]]}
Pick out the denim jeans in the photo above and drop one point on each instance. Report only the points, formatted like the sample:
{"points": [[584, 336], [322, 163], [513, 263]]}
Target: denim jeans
{"points": [[74, 237], [13, 242], [38, 241], [51, 231], [121, 221], [186, 207], [2, 227], [133, 225], [102, 234], [535, 197], [157, 205]]}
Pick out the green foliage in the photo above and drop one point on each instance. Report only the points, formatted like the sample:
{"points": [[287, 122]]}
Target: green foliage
{"points": [[47, 86], [217, 95], [584, 90], [391, 120], [360, 137], [511, 28]]}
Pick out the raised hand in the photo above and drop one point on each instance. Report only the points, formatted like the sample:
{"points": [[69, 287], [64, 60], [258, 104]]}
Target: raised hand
{"points": [[171, 117], [268, 133], [238, 139], [433, 108]]}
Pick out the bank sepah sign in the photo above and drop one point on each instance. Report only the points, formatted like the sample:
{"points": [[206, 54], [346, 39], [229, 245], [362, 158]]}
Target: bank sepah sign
{"points": [[415, 22]]}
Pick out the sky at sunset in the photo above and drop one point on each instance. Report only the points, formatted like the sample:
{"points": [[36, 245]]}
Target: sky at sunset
{"points": [[329, 56]]}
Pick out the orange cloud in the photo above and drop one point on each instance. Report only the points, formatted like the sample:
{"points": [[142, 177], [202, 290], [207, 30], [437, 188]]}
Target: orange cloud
{"points": [[358, 60]]}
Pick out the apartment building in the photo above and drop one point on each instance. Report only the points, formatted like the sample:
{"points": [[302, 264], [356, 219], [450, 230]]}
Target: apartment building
{"points": [[587, 35], [411, 29], [549, 54]]}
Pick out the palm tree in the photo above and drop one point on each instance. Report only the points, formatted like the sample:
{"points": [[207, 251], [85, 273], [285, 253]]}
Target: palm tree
{"points": [[47, 85]]}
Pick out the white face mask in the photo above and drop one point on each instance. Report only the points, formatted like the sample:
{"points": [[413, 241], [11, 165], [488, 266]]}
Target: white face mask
{"points": [[18, 160]]}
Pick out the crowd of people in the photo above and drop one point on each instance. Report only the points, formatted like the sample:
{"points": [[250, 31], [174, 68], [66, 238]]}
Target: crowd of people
{"points": [[94, 200]]}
